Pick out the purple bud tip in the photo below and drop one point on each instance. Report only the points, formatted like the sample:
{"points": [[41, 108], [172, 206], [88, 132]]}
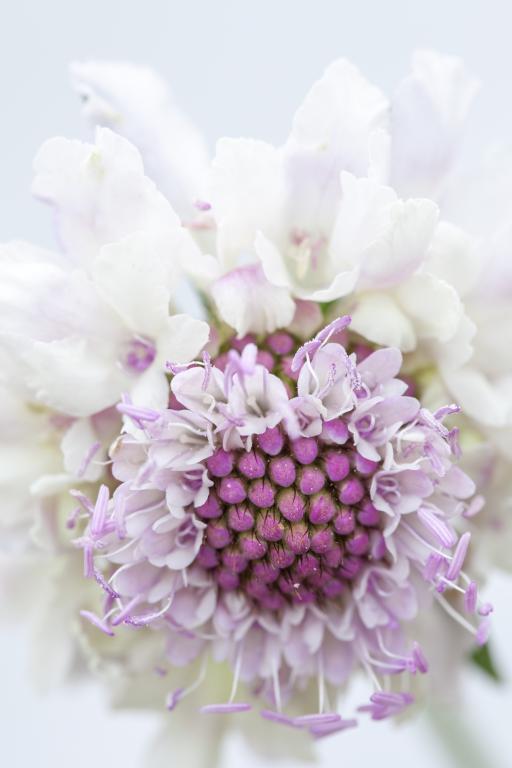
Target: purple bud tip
{"points": [[351, 491], [220, 464], [282, 471], [207, 557], [210, 509], [358, 543], [232, 490], [321, 509], [252, 465], [345, 522], [281, 557], [336, 465], [218, 535], [305, 450], [368, 515], [297, 539], [270, 527], [322, 541], [253, 548], [234, 561], [240, 518], [262, 494], [265, 359], [311, 480], [227, 579], [271, 441], [280, 343], [291, 505], [265, 572]]}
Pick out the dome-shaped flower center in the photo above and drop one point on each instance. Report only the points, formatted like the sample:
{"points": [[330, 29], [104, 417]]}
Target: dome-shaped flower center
{"points": [[291, 521]]}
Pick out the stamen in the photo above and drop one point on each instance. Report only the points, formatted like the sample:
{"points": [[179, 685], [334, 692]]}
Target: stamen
{"points": [[97, 622], [458, 557]]}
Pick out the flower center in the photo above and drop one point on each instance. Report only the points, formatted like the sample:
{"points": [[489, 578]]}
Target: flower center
{"points": [[290, 521]]}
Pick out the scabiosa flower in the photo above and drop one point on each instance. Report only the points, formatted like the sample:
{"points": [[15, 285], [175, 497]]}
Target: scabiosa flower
{"points": [[289, 513], [288, 508]]}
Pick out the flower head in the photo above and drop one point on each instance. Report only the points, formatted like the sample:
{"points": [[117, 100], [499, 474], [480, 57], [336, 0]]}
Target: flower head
{"points": [[288, 514]]}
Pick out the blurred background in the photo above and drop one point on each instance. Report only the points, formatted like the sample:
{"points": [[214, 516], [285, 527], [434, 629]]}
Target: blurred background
{"points": [[237, 68]]}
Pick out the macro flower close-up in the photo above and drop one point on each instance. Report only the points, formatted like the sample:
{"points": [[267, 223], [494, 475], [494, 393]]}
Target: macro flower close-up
{"points": [[257, 400]]}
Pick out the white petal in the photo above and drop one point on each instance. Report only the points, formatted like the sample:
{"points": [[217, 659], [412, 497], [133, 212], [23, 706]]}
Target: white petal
{"points": [[182, 339], [71, 377], [401, 246], [151, 389], [135, 102], [340, 115], [359, 221], [99, 192], [477, 397], [453, 257], [277, 273], [248, 302], [432, 304], [386, 237], [134, 276], [428, 114], [76, 444], [378, 318], [246, 194]]}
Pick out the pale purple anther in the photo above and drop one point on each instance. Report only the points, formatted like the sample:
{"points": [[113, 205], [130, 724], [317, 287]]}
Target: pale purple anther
{"points": [[470, 597], [225, 709], [458, 557]]}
